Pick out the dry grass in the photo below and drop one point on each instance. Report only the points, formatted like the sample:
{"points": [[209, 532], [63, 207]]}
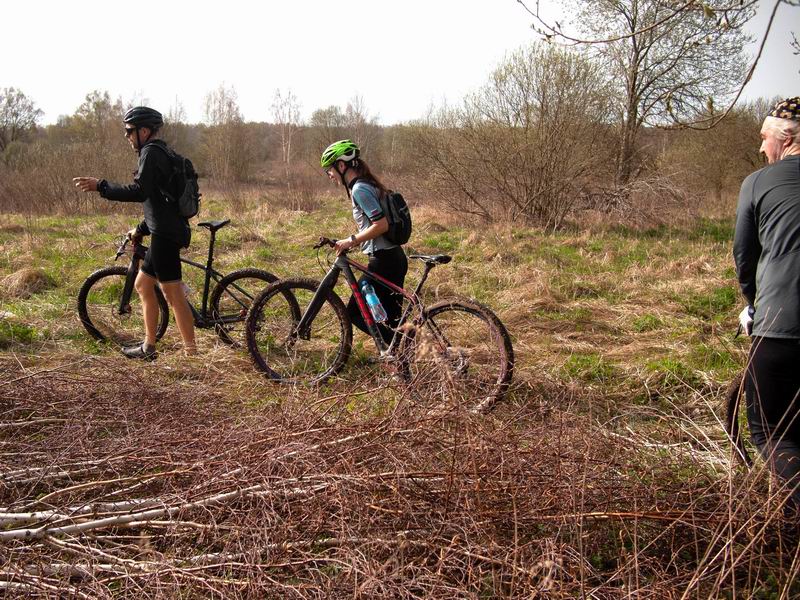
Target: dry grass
{"points": [[24, 283], [122, 479], [605, 474]]}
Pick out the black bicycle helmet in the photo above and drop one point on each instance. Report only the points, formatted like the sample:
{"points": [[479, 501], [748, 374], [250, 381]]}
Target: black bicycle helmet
{"points": [[143, 116]]}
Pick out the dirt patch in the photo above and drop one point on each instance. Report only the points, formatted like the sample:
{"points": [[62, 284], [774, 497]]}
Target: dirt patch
{"points": [[25, 283]]}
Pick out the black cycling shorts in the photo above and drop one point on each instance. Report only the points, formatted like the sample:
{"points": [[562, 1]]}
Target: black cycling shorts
{"points": [[163, 259]]}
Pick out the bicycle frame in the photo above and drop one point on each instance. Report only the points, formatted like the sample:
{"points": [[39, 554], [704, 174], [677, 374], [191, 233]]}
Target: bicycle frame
{"points": [[345, 265], [201, 317]]}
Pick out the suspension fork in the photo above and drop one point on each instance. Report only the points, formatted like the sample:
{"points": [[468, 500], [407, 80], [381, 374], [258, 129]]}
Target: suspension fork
{"points": [[130, 280]]}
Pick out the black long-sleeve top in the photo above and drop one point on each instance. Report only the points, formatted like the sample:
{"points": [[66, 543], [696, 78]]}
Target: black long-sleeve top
{"points": [[766, 247], [161, 217]]}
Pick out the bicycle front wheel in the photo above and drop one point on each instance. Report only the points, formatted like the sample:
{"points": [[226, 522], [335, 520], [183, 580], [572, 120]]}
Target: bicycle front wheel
{"points": [[283, 353], [460, 354], [100, 312], [231, 299]]}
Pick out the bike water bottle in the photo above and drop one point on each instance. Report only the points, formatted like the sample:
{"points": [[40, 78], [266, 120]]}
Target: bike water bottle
{"points": [[375, 306]]}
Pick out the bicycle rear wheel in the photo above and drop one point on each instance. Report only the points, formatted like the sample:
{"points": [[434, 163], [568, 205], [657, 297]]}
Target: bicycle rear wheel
{"points": [[99, 308], [273, 340], [231, 299], [733, 400], [461, 354]]}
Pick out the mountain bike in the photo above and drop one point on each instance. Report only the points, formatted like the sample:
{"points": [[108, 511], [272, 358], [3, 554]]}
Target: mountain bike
{"points": [[108, 306], [298, 331]]}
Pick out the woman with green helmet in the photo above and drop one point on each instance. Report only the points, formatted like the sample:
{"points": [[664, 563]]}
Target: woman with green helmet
{"points": [[341, 161]]}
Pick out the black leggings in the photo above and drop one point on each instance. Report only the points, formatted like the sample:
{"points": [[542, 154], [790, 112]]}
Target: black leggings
{"points": [[773, 381], [390, 264]]}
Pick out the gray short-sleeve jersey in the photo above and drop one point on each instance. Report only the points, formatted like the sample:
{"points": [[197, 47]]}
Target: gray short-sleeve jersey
{"points": [[366, 210]]}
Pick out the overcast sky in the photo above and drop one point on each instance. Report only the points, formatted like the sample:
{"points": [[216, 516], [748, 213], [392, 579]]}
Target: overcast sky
{"points": [[401, 57]]}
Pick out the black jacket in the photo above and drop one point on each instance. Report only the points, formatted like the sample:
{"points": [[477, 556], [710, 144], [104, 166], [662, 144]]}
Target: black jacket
{"points": [[161, 217], [766, 247]]}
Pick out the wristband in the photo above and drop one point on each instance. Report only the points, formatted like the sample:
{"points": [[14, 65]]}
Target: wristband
{"points": [[353, 238]]}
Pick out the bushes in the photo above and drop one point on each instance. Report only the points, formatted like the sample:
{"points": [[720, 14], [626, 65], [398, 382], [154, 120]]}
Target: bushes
{"points": [[527, 145]]}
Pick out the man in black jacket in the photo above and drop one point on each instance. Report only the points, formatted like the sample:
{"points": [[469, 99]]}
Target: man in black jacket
{"points": [[766, 249], [162, 220]]}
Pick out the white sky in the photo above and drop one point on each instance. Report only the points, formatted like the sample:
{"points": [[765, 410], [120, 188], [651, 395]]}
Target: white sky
{"points": [[411, 54]]}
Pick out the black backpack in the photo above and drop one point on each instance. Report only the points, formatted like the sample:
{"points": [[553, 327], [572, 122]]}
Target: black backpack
{"points": [[395, 208], [181, 188]]}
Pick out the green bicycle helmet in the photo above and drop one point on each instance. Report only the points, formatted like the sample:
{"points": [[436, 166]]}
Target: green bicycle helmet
{"points": [[345, 150]]}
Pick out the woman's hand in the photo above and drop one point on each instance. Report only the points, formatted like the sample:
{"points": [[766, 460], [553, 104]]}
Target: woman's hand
{"points": [[343, 246]]}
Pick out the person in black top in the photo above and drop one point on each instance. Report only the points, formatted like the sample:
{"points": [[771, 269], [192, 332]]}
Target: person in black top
{"points": [[162, 220], [766, 250]]}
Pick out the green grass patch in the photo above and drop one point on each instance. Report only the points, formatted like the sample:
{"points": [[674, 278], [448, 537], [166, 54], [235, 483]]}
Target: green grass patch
{"points": [[712, 305], [713, 230], [672, 372], [709, 358], [647, 322], [445, 241], [591, 368], [13, 333]]}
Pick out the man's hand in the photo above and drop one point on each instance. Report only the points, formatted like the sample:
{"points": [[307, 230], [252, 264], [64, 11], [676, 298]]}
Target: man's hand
{"points": [[134, 235], [86, 184], [746, 319]]}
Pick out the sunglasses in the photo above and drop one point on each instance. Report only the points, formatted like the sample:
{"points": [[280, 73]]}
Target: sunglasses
{"points": [[129, 131]]}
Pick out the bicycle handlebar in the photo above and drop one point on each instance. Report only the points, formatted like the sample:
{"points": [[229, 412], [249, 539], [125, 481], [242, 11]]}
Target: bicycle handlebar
{"points": [[324, 241], [122, 247]]}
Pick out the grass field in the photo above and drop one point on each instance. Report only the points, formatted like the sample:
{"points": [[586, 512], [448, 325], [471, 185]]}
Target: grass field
{"points": [[604, 474]]}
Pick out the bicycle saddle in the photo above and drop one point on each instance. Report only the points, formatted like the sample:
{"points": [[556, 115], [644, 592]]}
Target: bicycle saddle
{"points": [[433, 259], [214, 225]]}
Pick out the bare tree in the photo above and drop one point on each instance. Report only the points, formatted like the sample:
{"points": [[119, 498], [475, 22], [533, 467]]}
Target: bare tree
{"points": [[176, 130], [286, 111], [228, 148], [670, 62], [18, 116], [327, 125], [362, 127], [355, 123], [525, 146]]}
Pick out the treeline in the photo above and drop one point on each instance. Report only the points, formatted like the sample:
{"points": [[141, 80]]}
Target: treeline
{"points": [[538, 142]]}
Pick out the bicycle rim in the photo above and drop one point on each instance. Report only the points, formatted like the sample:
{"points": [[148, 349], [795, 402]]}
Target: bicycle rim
{"points": [[733, 401], [460, 357], [232, 298], [99, 309], [275, 345]]}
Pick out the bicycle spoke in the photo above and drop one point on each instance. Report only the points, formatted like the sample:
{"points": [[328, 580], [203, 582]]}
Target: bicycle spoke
{"points": [[99, 309], [232, 298], [460, 355], [275, 344]]}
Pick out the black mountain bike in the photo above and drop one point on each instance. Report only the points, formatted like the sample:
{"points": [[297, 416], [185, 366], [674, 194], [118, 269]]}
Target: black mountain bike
{"points": [[109, 307], [298, 330]]}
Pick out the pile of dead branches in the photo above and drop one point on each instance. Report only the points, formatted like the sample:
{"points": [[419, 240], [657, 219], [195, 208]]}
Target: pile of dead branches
{"points": [[115, 482]]}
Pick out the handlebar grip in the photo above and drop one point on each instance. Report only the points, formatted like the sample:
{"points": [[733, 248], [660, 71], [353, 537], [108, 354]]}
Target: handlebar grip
{"points": [[324, 241]]}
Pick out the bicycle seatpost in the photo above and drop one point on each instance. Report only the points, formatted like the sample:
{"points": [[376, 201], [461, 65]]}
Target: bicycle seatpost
{"points": [[211, 242]]}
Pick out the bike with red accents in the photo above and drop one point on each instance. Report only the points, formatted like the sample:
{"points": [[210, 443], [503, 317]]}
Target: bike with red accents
{"points": [[455, 347]]}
